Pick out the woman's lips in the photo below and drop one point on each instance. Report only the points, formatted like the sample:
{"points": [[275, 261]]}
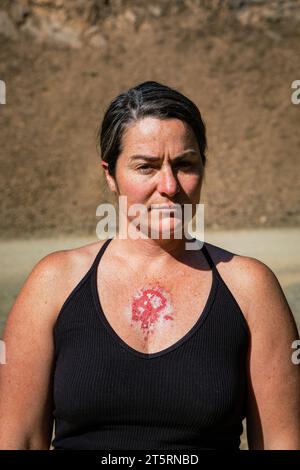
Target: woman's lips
{"points": [[165, 207]]}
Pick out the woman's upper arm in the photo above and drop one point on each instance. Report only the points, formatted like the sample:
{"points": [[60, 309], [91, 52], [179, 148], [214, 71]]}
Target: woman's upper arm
{"points": [[25, 379], [273, 415]]}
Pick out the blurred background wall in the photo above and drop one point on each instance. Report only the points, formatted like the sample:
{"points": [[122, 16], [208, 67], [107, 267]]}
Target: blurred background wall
{"points": [[63, 61]]}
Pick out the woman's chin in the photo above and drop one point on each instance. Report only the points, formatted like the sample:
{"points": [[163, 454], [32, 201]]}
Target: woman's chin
{"points": [[168, 229]]}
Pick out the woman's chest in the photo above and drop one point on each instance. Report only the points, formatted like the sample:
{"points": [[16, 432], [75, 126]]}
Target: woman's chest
{"points": [[150, 313]]}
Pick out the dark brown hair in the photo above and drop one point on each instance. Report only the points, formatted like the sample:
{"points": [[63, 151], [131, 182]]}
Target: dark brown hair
{"points": [[146, 99]]}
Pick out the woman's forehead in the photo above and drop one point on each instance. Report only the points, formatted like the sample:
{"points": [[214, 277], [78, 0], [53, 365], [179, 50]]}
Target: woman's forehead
{"points": [[156, 131]]}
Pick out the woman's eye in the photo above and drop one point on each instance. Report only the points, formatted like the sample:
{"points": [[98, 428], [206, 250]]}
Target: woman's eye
{"points": [[148, 168], [184, 165], [145, 168]]}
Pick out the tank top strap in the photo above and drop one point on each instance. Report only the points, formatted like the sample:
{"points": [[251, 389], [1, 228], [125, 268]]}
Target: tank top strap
{"points": [[100, 253], [210, 262], [207, 256]]}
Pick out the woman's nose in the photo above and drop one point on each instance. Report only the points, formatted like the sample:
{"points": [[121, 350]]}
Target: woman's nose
{"points": [[167, 183]]}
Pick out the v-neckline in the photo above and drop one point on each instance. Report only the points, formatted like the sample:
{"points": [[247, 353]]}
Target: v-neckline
{"points": [[102, 317]]}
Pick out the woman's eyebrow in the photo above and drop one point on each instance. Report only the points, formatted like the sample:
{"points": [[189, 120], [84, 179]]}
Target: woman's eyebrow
{"points": [[153, 158]]}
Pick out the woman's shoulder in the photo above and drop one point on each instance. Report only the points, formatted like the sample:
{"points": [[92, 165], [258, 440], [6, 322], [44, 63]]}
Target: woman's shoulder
{"points": [[56, 275], [247, 277], [45, 289], [73, 260], [237, 264]]}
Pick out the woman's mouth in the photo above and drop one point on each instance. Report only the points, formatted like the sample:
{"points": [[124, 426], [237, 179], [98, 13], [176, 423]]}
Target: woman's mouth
{"points": [[165, 206]]}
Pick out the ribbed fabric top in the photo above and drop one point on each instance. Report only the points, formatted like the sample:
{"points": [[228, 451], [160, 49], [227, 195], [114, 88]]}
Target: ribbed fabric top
{"points": [[109, 396]]}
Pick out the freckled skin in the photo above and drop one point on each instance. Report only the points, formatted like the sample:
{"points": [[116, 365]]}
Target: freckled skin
{"points": [[149, 307]]}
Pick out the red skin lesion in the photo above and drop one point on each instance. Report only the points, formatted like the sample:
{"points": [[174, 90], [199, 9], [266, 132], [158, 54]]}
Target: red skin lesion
{"points": [[168, 317], [149, 307]]}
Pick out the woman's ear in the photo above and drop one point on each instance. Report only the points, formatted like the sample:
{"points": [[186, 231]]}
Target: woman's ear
{"points": [[110, 180]]}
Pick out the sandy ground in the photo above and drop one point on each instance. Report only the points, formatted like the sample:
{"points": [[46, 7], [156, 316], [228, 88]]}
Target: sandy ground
{"points": [[278, 248]]}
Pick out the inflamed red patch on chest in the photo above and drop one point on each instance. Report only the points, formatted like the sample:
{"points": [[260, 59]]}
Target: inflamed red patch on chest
{"points": [[151, 307]]}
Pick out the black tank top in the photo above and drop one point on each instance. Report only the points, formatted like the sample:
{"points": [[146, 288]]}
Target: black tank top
{"points": [[109, 396]]}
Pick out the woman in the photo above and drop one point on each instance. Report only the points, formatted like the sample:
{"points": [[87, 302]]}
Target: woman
{"points": [[184, 343]]}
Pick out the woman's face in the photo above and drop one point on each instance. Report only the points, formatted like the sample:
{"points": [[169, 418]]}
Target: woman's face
{"points": [[160, 164]]}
